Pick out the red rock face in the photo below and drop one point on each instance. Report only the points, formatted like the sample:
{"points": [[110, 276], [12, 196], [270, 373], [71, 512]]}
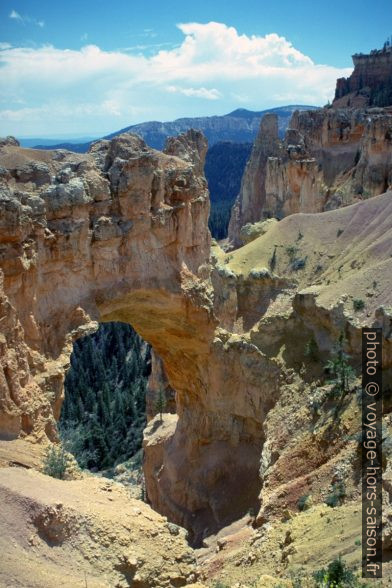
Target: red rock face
{"points": [[369, 84]]}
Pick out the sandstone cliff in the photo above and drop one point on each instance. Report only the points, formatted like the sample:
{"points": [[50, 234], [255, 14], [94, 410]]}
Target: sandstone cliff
{"points": [[328, 159], [121, 234], [370, 84], [76, 231]]}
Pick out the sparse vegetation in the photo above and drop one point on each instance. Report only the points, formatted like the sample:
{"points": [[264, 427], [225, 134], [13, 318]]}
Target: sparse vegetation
{"points": [[272, 261], [298, 264], [55, 462], [358, 304], [312, 350], [314, 407], [341, 371], [304, 502], [336, 497], [296, 579], [292, 251], [160, 402], [336, 575]]}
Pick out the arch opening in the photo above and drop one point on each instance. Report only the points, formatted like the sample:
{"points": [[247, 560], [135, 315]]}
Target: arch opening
{"points": [[116, 383], [104, 410]]}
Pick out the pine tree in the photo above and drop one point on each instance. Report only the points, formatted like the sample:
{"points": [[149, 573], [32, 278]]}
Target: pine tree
{"points": [[341, 371], [160, 402]]}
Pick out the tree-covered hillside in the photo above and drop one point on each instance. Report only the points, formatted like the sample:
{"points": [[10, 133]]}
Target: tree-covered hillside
{"points": [[104, 412], [224, 167]]}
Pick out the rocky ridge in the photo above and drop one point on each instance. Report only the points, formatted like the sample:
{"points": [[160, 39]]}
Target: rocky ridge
{"points": [[238, 126]]}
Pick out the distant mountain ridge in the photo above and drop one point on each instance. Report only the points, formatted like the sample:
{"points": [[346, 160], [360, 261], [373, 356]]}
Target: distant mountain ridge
{"points": [[33, 142], [239, 126]]}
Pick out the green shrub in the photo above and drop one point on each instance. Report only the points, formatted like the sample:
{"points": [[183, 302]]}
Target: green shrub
{"points": [[55, 462], [292, 251], [358, 304], [340, 370], [272, 261], [336, 497], [304, 502], [337, 575], [160, 402], [298, 264]]}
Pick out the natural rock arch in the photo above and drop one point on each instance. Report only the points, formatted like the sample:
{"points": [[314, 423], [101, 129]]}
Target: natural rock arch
{"points": [[120, 234]]}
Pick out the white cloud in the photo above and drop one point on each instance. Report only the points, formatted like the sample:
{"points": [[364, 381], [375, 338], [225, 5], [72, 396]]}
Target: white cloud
{"points": [[25, 19], [91, 90], [212, 94], [15, 15], [5, 46]]}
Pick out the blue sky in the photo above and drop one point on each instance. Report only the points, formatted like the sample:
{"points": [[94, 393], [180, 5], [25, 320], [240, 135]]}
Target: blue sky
{"points": [[89, 68]]}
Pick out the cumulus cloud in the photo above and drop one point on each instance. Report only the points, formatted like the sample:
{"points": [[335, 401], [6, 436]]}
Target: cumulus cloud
{"points": [[92, 90]]}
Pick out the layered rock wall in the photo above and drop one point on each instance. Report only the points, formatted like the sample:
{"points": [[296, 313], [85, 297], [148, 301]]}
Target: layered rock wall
{"points": [[328, 159], [370, 84]]}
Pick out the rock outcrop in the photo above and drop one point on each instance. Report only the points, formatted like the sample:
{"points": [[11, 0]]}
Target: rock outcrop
{"points": [[65, 540], [252, 194], [121, 234], [328, 159], [370, 84]]}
